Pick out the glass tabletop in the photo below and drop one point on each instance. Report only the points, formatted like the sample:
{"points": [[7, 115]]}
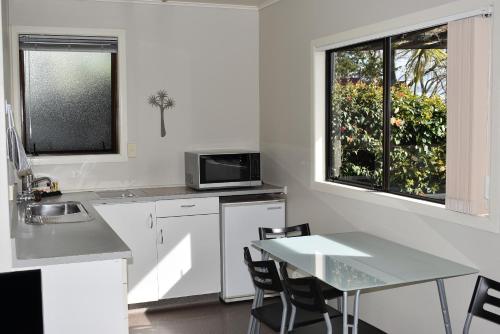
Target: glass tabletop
{"points": [[358, 260]]}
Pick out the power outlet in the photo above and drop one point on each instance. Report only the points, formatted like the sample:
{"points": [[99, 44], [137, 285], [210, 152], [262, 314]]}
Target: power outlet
{"points": [[132, 150]]}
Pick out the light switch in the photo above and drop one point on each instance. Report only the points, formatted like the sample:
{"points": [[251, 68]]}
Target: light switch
{"points": [[12, 192], [132, 150]]}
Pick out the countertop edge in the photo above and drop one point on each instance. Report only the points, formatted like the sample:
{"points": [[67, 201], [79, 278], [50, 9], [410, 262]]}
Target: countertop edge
{"points": [[201, 194], [48, 261]]}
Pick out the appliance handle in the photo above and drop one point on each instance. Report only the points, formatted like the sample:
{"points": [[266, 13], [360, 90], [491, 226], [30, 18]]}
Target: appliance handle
{"points": [[188, 206]]}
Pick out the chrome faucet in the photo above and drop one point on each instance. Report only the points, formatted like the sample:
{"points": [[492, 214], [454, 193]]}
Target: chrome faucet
{"points": [[36, 181], [28, 182]]}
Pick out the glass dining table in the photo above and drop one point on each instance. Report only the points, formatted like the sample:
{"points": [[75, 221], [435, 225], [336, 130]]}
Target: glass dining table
{"points": [[357, 261]]}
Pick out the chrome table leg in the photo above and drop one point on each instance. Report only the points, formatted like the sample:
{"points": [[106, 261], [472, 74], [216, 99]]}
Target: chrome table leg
{"points": [[356, 313], [345, 325], [444, 306]]}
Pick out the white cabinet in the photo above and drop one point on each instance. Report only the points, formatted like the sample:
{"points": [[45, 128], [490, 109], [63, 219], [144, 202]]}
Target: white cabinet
{"points": [[83, 298], [135, 224], [188, 256], [175, 246]]}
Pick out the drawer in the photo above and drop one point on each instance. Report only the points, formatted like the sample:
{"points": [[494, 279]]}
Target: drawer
{"points": [[187, 207]]}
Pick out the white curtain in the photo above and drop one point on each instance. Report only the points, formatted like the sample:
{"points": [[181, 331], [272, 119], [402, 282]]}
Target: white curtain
{"points": [[468, 126]]}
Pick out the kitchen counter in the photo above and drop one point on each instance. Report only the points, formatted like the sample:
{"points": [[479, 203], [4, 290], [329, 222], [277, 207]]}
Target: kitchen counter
{"points": [[39, 245], [166, 193]]}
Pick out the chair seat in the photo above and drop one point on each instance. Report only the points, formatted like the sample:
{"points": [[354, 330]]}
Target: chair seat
{"points": [[363, 327], [270, 314], [329, 292]]}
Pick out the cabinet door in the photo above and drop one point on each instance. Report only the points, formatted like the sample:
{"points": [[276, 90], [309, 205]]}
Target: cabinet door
{"points": [[84, 298], [188, 256], [135, 224], [240, 227]]}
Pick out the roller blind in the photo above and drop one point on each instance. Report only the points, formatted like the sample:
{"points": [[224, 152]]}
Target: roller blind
{"points": [[468, 137], [68, 43]]}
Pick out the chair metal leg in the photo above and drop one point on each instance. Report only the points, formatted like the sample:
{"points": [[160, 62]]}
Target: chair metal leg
{"points": [[444, 306], [251, 325], [260, 302], [467, 323], [292, 318], [345, 325], [329, 329], [356, 313], [257, 327], [284, 315]]}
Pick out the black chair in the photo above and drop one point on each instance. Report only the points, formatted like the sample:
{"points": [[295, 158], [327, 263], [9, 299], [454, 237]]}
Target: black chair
{"points": [[480, 297], [305, 295], [266, 233], [275, 315]]}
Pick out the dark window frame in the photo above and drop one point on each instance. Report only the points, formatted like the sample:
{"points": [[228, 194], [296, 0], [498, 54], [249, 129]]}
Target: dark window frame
{"points": [[387, 114], [114, 114]]}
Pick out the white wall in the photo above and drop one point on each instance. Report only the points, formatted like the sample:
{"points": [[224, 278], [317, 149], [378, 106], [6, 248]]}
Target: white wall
{"points": [[5, 250], [206, 58], [286, 31]]}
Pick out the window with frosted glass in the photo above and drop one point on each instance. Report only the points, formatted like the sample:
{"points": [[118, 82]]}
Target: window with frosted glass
{"points": [[69, 94]]}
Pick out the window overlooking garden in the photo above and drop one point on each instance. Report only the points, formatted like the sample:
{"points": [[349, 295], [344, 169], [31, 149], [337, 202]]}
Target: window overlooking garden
{"points": [[386, 114]]}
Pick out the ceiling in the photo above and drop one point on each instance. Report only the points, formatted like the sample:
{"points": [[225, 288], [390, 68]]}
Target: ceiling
{"points": [[255, 3], [236, 3]]}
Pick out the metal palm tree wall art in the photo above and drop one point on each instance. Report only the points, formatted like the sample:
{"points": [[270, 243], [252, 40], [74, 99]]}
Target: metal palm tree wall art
{"points": [[162, 101]]}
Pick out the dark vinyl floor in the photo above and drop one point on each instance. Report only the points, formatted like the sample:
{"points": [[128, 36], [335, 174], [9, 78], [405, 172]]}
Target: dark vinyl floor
{"points": [[212, 318]]}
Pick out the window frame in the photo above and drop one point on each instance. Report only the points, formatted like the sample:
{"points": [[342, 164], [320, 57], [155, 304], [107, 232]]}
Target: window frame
{"points": [[114, 113], [119, 100], [341, 193], [386, 117]]}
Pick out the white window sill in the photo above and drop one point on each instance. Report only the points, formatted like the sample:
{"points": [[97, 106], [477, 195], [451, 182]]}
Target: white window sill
{"points": [[414, 206], [76, 159]]}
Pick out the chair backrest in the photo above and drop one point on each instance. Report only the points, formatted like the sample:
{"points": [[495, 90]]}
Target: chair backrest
{"points": [[264, 274], [266, 233], [304, 293], [481, 297]]}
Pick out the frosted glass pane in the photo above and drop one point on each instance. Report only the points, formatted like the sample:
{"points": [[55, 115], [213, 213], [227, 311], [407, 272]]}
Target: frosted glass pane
{"points": [[356, 260], [68, 101]]}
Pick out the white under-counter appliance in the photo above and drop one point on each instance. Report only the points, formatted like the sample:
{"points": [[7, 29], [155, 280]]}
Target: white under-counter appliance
{"points": [[241, 216], [222, 169]]}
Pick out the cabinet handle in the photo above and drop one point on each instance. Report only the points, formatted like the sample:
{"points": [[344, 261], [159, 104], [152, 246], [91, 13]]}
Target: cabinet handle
{"points": [[274, 208], [188, 206], [151, 220], [161, 234]]}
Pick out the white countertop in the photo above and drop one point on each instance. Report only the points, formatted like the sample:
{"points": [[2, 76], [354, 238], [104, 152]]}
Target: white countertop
{"points": [[40, 245]]}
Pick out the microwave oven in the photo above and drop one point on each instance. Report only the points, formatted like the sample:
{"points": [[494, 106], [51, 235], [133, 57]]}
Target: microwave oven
{"points": [[222, 169]]}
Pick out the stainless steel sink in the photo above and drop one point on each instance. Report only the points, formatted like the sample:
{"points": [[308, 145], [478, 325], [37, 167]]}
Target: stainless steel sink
{"points": [[55, 213]]}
